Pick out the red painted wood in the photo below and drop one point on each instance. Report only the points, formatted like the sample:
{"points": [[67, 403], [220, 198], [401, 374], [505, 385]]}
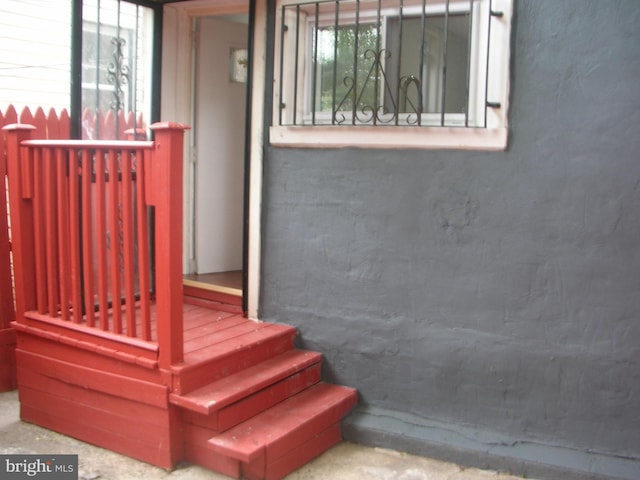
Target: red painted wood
{"points": [[140, 391], [115, 239], [51, 234], [6, 286], [253, 405], [196, 451], [53, 125], [222, 419], [87, 241], [144, 414], [143, 246], [10, 115], [39, 229], [64, 273], [64, 125], [8, 379], [237, 330], [75, 241], [224, 392], [98, 411], [265, 469], [39, 120], [166, 178], [88, 338], [209, 364], [208, 324], [98, 359], [22, 224], [195, 292], [279, 429], [213, 305], [101, 239], [108, 130], [128, 239], [158, 453]]}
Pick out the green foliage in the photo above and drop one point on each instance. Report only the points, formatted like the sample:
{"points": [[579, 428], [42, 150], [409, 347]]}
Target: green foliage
{"points": [[338, 63]]}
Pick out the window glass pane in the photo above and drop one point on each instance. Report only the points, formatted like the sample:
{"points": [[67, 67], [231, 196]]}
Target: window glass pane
{"points": [[397, 68], [355, 82], [116, 68], [421, 78]]}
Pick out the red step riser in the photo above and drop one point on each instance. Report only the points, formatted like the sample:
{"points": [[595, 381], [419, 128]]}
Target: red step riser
{"points": [[196, 451], [213, 305], [204, 373], [254, 404], [288, 424], [295, 458], [233, 388], [329, 416], [191, 292], [231, 416]]}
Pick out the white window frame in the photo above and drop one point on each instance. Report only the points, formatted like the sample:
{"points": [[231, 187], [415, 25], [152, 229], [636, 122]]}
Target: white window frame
{"points": [[493, 136]]}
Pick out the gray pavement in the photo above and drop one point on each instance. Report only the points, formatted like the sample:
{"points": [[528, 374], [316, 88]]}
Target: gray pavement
{"points": [[346, 461]]}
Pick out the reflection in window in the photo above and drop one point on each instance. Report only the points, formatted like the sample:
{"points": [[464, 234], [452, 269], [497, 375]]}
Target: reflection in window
{"points": [[116, 68]]}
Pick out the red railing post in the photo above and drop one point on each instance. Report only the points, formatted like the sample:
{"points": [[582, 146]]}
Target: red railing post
{"points": [[165, 188], [7, 334], [20, 185], [6, 287]]}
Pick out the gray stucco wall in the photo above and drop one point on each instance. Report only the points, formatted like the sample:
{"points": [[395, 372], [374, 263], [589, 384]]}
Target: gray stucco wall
{"points": [[485, 305]]}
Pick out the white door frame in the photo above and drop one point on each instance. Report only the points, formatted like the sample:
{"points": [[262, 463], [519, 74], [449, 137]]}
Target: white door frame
{"points": [[176, 94]]}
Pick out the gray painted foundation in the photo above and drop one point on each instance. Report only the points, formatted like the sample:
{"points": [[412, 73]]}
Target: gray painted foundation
{"points": [[485, 305]]}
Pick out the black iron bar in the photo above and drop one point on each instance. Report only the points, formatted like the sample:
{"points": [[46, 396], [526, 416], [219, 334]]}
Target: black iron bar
{"points": [[354, 95], [335, 62], [399, 65], [314, 77], [444, 61], [118, 69], [423, 76], [376, 81], [470, 32], [486, 73], [282, 31], [97, 113], [134, 92], [295, 67]]}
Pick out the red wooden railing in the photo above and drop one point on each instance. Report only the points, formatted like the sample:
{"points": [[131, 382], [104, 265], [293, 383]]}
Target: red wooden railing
{"points": [[80, 232]]}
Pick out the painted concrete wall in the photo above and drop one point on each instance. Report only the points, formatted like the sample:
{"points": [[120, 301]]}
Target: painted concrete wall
{"points": [[485, 305]]}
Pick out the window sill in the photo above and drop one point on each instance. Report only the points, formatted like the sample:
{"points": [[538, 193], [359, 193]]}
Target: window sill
{"points": [[432, 138]]}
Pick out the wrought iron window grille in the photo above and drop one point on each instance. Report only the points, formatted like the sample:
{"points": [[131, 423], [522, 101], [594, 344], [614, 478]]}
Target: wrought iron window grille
{"points": [[386, 63]]}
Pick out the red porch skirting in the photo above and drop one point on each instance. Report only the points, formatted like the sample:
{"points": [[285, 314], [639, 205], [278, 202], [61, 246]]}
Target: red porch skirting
{"points": [[8, 379]]}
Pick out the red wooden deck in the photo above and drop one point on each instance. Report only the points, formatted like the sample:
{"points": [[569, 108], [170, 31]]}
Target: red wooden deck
{"points": [[244, 402], [165, 373]]}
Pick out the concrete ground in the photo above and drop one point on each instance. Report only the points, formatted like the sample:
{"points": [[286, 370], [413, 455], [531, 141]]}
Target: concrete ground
{"points": [[346, 461]]}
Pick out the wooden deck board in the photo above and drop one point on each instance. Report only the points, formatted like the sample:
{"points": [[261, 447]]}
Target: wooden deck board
{"points": [[206, 330]]}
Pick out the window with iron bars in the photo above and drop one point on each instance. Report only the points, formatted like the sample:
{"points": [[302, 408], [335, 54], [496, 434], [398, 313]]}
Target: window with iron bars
{"points": [[417, 73]]}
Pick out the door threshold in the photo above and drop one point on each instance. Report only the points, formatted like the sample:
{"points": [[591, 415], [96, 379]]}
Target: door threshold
{"points": [[229, 283]]}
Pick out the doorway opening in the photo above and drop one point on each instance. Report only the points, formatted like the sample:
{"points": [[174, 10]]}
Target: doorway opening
{"points": [[217, 153]]}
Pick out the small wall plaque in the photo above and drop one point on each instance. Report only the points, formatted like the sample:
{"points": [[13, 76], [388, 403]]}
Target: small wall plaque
{"points": [[238, 61]]}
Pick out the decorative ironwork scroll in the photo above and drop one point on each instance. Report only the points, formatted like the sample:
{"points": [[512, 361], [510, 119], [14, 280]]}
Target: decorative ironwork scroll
{"points": [[118, 73], [395, 102]]}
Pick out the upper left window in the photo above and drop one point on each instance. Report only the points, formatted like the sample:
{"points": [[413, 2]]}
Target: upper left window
{"points": [[116, 69]]}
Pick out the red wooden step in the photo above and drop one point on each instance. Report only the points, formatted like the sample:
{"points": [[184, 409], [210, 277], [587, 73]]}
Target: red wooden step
{"points": [[217, 395], [282, 428], [212, 362], [294, 459]]}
